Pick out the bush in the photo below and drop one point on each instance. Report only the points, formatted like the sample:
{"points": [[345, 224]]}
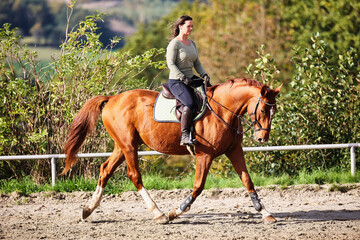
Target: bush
{"points": [[41, 102], [321, 107]]}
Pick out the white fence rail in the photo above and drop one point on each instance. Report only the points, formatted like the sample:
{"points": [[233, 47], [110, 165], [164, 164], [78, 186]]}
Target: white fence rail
{"points": [[53, 157]]}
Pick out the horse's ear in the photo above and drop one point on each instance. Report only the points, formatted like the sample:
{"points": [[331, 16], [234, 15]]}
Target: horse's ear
{"points": [[277, 90], [264, 90]]}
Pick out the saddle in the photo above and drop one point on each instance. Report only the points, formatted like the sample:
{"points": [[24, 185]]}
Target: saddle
{"points": [[166, 93]]}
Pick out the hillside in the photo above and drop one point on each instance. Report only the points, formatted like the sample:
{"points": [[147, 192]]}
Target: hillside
{"points": [[43, 23]]}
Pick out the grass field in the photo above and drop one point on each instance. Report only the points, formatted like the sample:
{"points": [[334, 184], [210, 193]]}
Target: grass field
{"points": [[154, 181]]}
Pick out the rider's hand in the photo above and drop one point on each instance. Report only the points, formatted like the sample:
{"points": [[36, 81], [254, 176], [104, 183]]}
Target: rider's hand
{"points": [[186, 80], [206, 79]]}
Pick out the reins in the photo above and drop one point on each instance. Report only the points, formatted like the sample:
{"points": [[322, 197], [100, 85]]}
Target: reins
{"points": [[239, 117]]}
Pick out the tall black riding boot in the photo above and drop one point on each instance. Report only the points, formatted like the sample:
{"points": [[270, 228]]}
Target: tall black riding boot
{"points": [[186, 123]]}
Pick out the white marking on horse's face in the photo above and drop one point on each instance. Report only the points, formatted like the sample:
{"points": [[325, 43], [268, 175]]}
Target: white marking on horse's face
{"points": [[272, 112]]}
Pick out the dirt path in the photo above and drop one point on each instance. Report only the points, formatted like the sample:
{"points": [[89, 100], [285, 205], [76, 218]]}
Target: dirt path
{"points": [[303, 212]]}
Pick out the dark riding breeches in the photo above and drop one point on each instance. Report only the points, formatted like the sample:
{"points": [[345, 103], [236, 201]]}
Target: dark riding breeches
{"points": [[185, 93]]}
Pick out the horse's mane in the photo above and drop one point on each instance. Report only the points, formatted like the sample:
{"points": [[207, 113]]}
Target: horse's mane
{"points": [[244, 81]]}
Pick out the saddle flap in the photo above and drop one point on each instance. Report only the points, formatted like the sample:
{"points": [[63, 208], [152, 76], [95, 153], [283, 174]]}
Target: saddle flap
{"points": [[166, 91], [168, 109]]}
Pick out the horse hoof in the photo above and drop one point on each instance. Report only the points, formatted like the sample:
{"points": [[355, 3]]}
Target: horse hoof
{"points": [[172, 215], [162, 219], [86, 212], [269, 219]]}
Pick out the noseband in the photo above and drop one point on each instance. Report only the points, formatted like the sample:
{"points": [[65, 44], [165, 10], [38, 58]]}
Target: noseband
{"points": [[256, 122]]}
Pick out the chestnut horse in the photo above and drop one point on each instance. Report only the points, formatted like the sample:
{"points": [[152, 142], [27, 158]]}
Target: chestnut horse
{"points": [[128, 117]]}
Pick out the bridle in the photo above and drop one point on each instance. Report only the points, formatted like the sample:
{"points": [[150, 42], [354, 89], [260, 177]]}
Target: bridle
{"points": [[240, 118], [256, 122]]}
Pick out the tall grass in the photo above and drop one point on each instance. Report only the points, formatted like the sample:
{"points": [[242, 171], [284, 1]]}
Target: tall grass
{"points": [[156, 181]]}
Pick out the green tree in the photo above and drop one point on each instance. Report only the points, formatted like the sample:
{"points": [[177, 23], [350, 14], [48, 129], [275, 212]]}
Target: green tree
{"points": [[322, 108], [155, 35], [23, 100], [226, 33], [336, 20], [39, 105]]}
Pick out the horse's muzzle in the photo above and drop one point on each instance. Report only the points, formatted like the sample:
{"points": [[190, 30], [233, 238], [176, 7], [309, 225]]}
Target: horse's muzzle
{"points": [[261, 136]]}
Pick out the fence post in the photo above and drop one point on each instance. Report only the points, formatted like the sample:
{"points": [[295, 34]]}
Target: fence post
{"points": [[353, 160], [53, 171]]}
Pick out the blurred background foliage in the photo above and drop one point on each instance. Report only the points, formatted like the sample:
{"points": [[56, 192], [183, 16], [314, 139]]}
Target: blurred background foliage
{"points": [[69, 53]]}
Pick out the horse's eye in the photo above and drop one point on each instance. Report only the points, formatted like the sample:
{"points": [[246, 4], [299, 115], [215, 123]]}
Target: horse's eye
{"points": [[262, 111]]}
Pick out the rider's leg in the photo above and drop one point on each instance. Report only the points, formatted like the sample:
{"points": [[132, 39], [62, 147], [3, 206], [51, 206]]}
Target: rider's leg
{"points": [[185, 94], [186, 123]]}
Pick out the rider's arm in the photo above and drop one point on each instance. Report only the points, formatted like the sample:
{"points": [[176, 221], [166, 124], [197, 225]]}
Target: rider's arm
{"points": [[171, 53], [197, 64]]}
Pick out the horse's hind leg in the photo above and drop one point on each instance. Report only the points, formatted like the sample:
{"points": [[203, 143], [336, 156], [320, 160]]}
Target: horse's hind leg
{"points": [[106, 171], [236, 156], [135, 176]]}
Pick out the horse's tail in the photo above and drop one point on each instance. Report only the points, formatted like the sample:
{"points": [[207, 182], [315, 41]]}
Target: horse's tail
{"points": [[83, 124]]}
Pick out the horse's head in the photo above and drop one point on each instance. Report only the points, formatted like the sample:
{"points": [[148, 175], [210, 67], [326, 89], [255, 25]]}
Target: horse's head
{"points": [[261, 110]]}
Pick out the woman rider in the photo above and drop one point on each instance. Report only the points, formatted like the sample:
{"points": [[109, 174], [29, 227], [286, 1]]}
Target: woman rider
{"points": [[181, 57]]}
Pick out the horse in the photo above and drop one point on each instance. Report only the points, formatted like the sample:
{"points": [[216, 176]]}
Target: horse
{"points": [[128, 118]]}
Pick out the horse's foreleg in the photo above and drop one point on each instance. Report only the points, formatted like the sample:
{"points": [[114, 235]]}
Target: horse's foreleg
{"points": [[135, 177], [236, 156], [203, 164], [106, 171]]}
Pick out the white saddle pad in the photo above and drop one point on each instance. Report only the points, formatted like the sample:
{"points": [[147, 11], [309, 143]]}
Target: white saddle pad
{"points": [[165, 109]]}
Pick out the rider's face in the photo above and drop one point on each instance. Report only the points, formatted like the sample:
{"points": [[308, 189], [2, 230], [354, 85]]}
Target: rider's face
{"points": [[187, 27]]}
